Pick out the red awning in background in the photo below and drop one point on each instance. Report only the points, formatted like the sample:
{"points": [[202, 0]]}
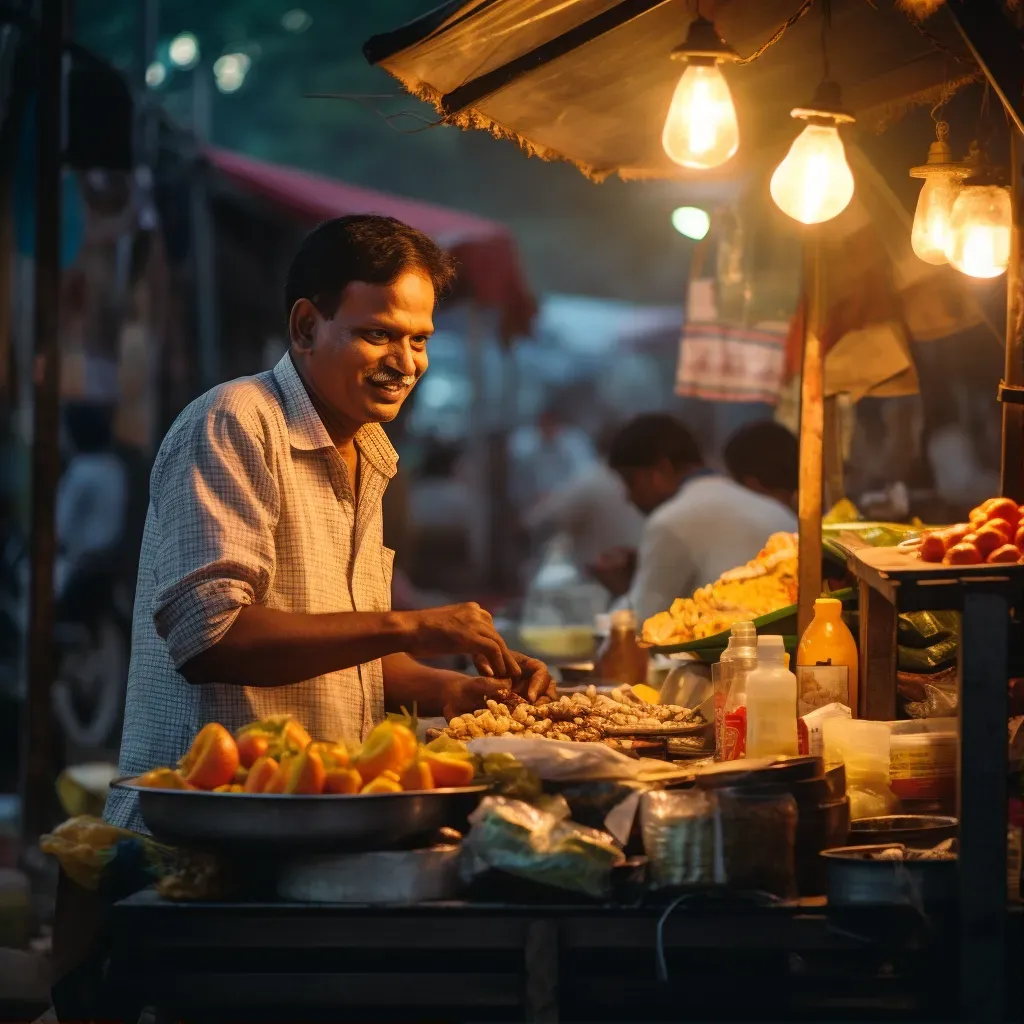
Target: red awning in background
{"points": [[489, 264]]}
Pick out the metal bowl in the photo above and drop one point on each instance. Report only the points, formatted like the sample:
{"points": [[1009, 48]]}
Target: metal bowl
{"points": [[921, 831], [855, 879], [276, 823]]}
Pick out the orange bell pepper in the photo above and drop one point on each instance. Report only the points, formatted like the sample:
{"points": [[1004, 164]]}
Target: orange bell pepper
{"points": [[283, 733], [252, 746], [212, 759], [306, 774], [342, 781], [389, 747], [280, 778], [386, 782], [231, 787], [333, 755], [449, 771], [417, 775], [260, 775], [163, 778]]}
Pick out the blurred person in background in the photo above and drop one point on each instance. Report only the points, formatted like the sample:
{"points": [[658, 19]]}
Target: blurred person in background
{"points": [[92, 494], [699, 524], [764, 457], [546, 455], [593, 510]]}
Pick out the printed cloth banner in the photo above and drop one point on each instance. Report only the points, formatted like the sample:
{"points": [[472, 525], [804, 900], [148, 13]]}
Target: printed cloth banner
{"points": [[724, 363]]}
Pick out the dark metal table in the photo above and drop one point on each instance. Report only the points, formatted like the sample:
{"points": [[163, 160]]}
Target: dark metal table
{"points": [[985, 596], [465, 961]]}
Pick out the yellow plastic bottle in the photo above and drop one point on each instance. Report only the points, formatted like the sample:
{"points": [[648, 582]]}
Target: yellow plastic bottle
{"points": [[826, 660]]}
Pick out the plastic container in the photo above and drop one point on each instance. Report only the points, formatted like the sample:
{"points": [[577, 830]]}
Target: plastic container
{"points": [[922, 765], [771, 703], [729, 678], [826, 660], [621, 660], [864, 748]]}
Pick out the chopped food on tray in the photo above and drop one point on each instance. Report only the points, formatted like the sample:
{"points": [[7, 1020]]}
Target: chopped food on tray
{"points": [[994, 535], [584, 717], [764, 585], [277, 755]]}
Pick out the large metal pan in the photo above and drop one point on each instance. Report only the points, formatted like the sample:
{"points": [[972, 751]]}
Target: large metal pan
{"points": [[275, 823]]}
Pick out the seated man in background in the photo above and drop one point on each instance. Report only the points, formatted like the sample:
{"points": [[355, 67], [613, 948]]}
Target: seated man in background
{"points": [[765, 458], [699, 524]]}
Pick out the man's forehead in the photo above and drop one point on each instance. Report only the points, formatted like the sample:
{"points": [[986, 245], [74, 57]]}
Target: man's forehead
{"points": [[408, 293]]}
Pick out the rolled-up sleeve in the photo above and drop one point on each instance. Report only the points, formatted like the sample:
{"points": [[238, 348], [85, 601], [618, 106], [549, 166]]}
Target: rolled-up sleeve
{"points": [[217, 503]]}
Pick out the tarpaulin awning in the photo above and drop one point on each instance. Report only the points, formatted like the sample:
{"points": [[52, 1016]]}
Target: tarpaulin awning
{"points": [[489, 270], [590, 81]]}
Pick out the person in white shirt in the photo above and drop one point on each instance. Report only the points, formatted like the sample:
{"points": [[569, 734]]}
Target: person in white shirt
{"points": [[546, 455], [699, 524], [593, 509]]}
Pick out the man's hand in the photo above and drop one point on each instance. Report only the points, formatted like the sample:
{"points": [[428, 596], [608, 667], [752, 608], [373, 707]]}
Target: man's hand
{"points": [[463, 629], [464, 694], [614, 570]]}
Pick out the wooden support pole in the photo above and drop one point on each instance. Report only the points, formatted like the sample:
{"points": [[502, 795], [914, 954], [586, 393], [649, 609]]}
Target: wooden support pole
{"points": [[811, 429], [1011, 469], [38, 783], [832, 456]]}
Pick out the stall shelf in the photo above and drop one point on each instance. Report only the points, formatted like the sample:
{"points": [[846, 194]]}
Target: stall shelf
{"points": [[475, 961], [891, 581]]}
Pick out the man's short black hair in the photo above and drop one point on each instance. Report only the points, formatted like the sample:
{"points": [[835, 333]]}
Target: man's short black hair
{"points": [[362, 247], [767, 452], [647, 440]]}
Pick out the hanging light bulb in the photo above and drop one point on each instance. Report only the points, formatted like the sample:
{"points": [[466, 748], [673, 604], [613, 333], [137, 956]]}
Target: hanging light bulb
{"points": [[978, 242], [942, 178], [701, 130], [814, 182]]}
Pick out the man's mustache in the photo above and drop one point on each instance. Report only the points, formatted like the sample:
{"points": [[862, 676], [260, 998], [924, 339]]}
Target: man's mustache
{"points": [[385, 376]]}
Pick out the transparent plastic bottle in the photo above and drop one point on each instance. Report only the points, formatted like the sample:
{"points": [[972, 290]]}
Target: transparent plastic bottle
{"points": [[729, 678], [771, 702]]}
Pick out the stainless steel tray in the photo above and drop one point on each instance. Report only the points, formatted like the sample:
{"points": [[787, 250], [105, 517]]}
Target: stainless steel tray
{"points": [[275, 823]]}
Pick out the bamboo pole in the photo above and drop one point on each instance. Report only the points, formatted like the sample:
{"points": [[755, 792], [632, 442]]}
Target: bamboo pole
{"points": [[37, 791], [812, 416], [1011, 474]]}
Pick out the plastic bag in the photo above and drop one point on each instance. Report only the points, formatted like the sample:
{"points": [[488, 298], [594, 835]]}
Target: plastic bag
{"points": [[554, 761], [560, 605], [86, 847], [929, 696], [924, 629], [538, 844], [682, 833]]}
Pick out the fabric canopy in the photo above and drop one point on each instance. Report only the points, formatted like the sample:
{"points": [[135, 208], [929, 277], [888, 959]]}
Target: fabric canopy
{"points": [[590, 81], [489, 269]]}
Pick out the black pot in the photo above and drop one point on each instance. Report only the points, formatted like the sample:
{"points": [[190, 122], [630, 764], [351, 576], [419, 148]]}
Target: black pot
{"points": [[918, 831], [819, 827]]}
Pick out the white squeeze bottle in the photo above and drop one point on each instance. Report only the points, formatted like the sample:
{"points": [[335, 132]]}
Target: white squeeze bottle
{"points": [[771, 702]]}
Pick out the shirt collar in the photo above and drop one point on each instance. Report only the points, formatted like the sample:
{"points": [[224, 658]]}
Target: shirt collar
{"points": [[307, 432]]}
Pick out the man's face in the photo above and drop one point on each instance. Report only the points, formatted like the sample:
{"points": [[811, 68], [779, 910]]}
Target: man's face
{"points": [[361, 364], [651, 486]]}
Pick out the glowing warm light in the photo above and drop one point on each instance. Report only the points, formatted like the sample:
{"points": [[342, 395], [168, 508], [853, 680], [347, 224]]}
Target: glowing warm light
{"points": [[979, 231], [230, 70], [691, 221], [701, 130], [930, 233], [156, 75], [184, 50], [814, 183]]}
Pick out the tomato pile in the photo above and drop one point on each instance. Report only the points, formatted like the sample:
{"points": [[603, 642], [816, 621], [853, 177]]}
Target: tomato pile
{"points": [[994, 535]]}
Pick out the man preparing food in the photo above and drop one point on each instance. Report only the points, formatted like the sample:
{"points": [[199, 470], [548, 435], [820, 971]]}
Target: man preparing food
{"points": [[264, 586]]}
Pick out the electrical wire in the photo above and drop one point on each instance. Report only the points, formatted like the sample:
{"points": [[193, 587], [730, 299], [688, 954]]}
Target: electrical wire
{"points": [[779, 32]]}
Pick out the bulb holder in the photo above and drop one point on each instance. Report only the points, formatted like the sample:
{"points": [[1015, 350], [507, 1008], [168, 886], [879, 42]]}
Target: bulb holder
{"points": [[826, 106], [940, 158], [703, 45]]}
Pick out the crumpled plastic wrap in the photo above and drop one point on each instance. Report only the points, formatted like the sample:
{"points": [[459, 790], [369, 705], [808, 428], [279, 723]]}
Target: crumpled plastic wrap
{"points": [[118, 862], [539, 844]]}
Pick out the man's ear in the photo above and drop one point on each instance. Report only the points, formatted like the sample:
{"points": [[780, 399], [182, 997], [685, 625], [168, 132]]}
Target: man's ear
{"points": [[302, 324]]}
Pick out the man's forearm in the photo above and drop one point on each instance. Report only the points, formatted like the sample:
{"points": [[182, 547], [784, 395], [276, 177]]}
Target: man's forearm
{"points": [[267, 647], [408, 682]]}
